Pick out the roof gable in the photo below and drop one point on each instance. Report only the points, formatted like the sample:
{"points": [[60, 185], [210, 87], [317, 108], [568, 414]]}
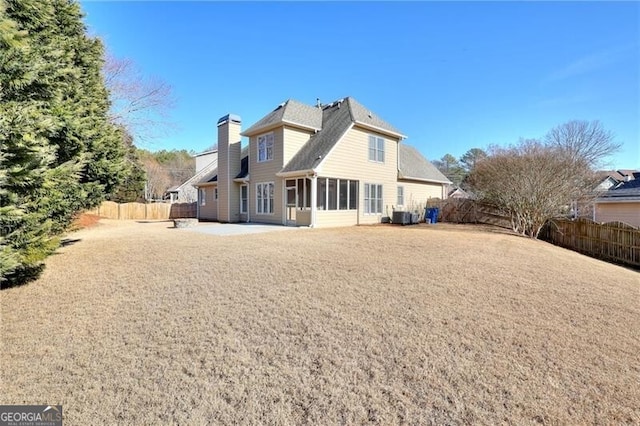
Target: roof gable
{"points": [[625, 190], [200, 176], [289, 112], [363, 116], [337, 118], [413, 165]]}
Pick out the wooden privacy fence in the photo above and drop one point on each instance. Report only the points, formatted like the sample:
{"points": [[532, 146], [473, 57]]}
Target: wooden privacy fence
{"points": [[463, 210], [616, 241], [141, 211]]}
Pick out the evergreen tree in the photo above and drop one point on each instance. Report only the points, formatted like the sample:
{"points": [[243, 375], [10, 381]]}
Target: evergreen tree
{"points": [[59, 153]]}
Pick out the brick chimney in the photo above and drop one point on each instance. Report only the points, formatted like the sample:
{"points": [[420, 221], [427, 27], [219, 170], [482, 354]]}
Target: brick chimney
{"points": [[229, 145]]}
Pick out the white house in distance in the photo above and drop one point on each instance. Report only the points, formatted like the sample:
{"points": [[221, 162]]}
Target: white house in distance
{"points": [[325, 165], [186, 193]]}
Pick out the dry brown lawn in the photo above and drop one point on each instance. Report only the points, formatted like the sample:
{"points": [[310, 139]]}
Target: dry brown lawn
{"points": [[136, 323]]}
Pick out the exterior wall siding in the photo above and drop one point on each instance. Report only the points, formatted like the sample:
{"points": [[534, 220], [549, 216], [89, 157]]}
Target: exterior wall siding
{"points": [[628, 213], [350, 160], [229, 146], [294, 140], [210, 210], [417, 194], [335, 218], [265, 172]]}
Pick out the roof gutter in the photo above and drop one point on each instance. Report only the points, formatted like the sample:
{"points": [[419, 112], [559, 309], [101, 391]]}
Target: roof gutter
{"points": [[295, 173], [401, 176], [380, 129]]}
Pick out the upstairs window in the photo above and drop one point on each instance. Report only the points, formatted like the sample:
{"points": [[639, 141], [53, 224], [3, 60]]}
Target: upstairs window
{"points": [[376, 149], [265, 147]]}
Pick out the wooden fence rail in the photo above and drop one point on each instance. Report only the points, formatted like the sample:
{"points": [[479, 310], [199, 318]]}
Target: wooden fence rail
{"points": [[461, 210], [616, 242], [141, 211]]}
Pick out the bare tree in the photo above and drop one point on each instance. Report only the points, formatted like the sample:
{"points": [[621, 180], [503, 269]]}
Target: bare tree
{"points": [[158, 179], [139, 103], [583, 141], [535, 181]]}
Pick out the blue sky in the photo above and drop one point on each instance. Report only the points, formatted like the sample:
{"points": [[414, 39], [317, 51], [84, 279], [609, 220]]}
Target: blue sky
{"points": [[450, 75]]}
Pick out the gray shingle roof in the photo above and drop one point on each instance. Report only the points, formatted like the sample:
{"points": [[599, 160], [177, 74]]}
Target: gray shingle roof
{"points": [[292, 112], [336, 119], [201, 176], [625, 190], [364, 116], [413, 165], [212, 173]]}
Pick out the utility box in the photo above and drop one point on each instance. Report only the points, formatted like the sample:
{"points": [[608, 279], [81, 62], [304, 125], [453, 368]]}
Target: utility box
{"points": [[401, 218]]}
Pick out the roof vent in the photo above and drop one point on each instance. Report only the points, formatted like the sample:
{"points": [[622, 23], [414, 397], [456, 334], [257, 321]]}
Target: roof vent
{"points": [[370, 114], [318, 104]]}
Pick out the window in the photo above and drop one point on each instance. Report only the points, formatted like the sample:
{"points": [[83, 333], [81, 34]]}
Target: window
{"points": [[376, 149], [265, 147], [333, 194], [264, 198], [337, 194], [400, 201], [372, 198], [244, 199], [353, 194], [215, 194], [203, 197], [344, 195], [304, 193]]}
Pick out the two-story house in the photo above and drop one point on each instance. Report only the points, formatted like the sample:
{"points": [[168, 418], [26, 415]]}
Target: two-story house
{"points": [[325, 165]]}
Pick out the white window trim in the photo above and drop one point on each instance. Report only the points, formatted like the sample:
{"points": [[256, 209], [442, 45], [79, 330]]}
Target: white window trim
{"points": [[400, 194], [266, 138], [367, 199], [203, 196], [258, 201], [241, 199], [377, 151]]}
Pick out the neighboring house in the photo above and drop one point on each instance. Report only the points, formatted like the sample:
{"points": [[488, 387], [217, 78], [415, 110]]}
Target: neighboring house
{"points": [[610, 178], [326, 165], [458, 193], [620, 203], [186, 192]]}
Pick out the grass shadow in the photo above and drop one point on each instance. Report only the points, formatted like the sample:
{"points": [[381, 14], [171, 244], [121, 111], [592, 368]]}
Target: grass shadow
{"points": [[22, 276], [69, 241], [154, 221]]}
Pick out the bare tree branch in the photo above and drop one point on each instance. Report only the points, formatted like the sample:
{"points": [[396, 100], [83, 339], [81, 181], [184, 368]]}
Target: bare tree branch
{"points": [[139, 103]]}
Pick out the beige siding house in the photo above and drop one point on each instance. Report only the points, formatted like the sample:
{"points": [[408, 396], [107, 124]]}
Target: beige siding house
{"points": [[327, 165], [621, 203]]}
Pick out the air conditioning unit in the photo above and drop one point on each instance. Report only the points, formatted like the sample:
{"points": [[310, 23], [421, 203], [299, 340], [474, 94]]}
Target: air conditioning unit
{"points": [[401, 218]]}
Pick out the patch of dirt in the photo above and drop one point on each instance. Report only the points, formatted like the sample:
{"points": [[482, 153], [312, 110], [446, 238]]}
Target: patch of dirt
{"points": [[85, 220]]}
